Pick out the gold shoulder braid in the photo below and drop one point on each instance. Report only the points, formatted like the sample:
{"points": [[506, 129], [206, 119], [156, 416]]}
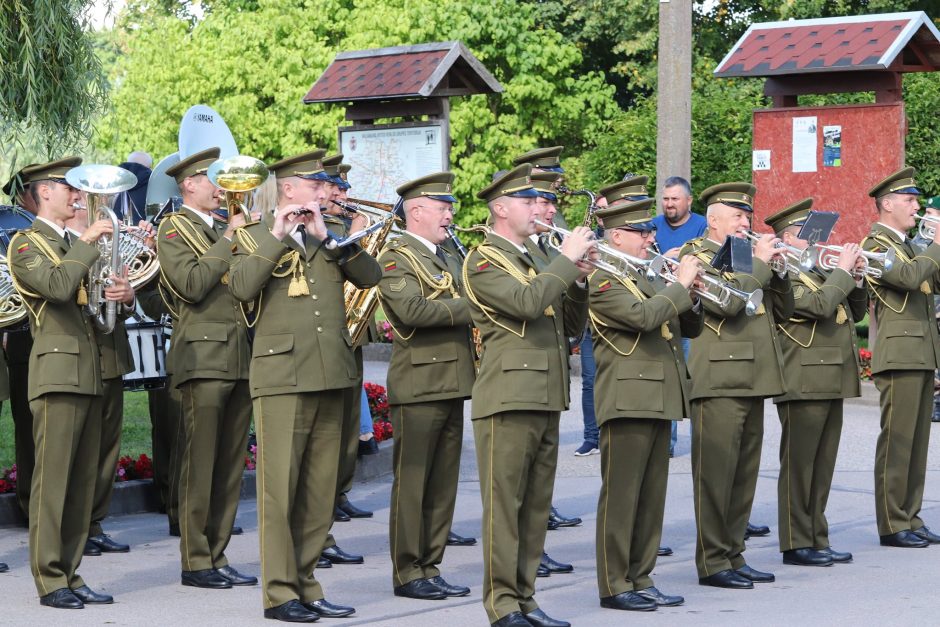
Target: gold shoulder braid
{"points": [[596, 322], [874, 284], [425, 280], [81, 298], [493, 256]]}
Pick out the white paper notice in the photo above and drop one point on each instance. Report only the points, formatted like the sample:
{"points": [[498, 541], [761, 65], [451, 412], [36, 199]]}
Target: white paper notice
{"points": [[761, 160], [804, 144]]}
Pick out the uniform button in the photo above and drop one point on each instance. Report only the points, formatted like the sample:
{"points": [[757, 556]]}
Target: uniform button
{"points": [[205, 337], [525, 365], [319, 329], [316, 313], [730, 356], [433, 358], [641, 375], [315, 297], [270, 350], [56, 350]]}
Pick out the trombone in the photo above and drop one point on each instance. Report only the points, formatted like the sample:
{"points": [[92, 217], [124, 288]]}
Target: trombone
{"points": [[805, 260], [928, 225], [611, 260], [828, 259], [715, 290]]}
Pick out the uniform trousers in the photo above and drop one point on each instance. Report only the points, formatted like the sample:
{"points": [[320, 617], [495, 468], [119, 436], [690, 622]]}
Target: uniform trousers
{"points": [[19, 345], [166, 421], [298, 454], [632, 502], [109, 450], [517, 452], [66, 435], [809, 444], [216, 415], [901, 451], [428, 439], [726, 445]]}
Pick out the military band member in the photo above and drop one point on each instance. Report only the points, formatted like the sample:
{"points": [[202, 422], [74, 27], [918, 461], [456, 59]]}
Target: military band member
{"points": [[50, 269], [210, 358], [820, 364], [302, 363], [735, 365], [525, 317], [904, 356], [643, 385], [430, 374]]}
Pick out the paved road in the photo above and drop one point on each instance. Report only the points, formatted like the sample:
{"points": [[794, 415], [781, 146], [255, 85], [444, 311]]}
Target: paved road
{"points": [[883, 586]]}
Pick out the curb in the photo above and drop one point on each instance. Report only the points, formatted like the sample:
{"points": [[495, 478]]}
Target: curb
{"points": [[135, 497]]}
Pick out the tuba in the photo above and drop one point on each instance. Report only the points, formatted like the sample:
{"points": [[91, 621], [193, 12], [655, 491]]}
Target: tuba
{"points": [[101, 183], [237, 176]]}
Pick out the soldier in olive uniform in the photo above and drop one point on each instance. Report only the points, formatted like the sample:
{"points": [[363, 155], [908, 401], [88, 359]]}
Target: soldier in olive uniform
{"points": [[50, 269], [905, 354], [525, 317], [210, 358], [302, 363], [820, 358], [735, 364], [430, 374], [642, 385]]}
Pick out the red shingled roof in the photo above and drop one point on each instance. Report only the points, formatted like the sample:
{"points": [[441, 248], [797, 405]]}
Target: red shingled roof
{"points": [[901, 42], [402, 72]]}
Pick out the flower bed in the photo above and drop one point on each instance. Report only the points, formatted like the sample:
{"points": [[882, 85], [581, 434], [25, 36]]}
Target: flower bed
{"points": [[378, 406], [864, 364]]}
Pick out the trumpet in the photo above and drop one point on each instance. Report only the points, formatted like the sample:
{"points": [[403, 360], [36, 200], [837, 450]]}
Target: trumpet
{"points": [[611, 260], [828, 259], [928, 225], [805, 260], [715, 290]]}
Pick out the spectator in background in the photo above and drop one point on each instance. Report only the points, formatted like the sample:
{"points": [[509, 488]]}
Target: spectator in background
{"points": [[139, 163], [677, 225]]}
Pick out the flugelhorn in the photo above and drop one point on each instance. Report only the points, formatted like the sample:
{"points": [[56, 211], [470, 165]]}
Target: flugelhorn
{"points": [[805, 260], [610, 259], [714, 289], [101, 183], [237, 176], [928, 225], [828, 259]]}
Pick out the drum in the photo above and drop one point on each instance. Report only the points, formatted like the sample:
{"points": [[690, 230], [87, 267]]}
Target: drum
{"points": [[12, 219], [149, 341]]}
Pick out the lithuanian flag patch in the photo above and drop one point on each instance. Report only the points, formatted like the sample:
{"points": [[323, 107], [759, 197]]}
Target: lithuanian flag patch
{"points": [[604, 285], [483, 265], [390, 265], [22, 247], [171, 233]]}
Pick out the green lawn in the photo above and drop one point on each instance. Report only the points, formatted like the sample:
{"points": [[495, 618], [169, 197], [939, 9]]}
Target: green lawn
{"points": [[134, 441]]}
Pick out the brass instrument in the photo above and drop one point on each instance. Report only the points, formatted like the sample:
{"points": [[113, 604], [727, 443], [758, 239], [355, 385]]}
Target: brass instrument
{"points": [[592, 203], [139, 258], [610, 259], [804, 260], [828, 259], [101, 183], [928, 225], [237, 176], [361, 302], [462, 251], [715, 290], [12, 307]]}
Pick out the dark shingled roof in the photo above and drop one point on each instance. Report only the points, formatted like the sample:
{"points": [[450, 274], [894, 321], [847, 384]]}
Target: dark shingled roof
{"points": [[423, 70], [897, 42]]}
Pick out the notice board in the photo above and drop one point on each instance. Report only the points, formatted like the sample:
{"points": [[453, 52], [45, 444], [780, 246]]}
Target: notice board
{"points": [[833, 154]]}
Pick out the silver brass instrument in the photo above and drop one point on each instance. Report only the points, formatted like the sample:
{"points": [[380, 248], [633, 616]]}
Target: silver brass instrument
{"points": [[139, 258], [928, 225], [12, 308], [237, 176], [611, 260], [805, 260], [828, 259], [101, 183], [715, 290]]}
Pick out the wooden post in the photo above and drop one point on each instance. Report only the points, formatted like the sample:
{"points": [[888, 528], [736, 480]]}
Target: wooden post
{"points": [[674, 98]]}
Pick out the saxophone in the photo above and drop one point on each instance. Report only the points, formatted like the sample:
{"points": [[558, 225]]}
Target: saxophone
{"points": [[362, 302]]}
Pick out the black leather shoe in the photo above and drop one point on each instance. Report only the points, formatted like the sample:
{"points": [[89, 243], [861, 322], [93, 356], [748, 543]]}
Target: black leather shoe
{"points": [[756, 531], [340, 516], [755, 575], [237, 531], [806, 557], [90, 597], [553, 566], [420, 589], [291, 612], [351, 510], [236, 578], [663, 551], [206, 578], [322, 562], [660, 599], [454, 540], [540, 619], [552, 524], [91, 549], [325, 609], [3, 567], [107, 545], [337, 555], [628, 601], [926, 534], [367, 447], [512, 619], [175, 530], [904, 539], [63, 599], [839, 557], [563, 521], [541, 571], [449, 589], [726, 579]]}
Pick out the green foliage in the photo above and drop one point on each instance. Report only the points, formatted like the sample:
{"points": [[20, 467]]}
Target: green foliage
{"points": [[51, 82], [253, 62]]}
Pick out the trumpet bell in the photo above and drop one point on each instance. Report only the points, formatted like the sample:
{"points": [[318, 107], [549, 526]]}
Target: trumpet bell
{"points": [[753, 301], [239, 173], [890, 257], [98, 178]]}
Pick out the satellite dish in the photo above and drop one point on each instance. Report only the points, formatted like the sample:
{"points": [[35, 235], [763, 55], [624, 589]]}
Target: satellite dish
{"points": [[162, 187], [202, 128]]}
